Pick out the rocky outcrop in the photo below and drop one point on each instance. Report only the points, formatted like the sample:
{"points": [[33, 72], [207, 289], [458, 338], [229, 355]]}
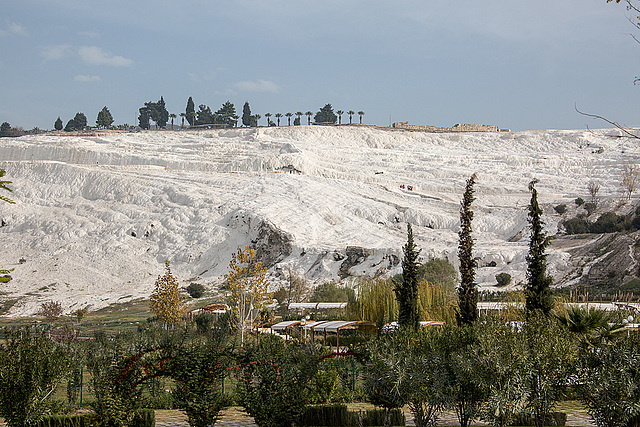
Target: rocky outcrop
{"points": [[606, 261]]}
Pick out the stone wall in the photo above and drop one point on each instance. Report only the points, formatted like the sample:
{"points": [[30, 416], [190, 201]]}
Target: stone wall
{"points": [[460, 127]]}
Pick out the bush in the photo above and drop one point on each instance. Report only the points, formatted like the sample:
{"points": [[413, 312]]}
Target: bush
{"points": [[560, 209], [204, 321], [195, 290], [144, 418], [325, 415], [503, 279], [555, 419], [576, 226], [579, 201], [338, 415], [608, 222], [332, 292], [274, 382]]}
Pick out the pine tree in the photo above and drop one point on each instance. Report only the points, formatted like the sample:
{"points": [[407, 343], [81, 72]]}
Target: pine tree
{"points": [[104, 119], [407, 290], [80, 121], [167, 303], [190, 112], [326, 115], [247, 118], [467, 292], [538, 288], [227, 114], [58, 124]]}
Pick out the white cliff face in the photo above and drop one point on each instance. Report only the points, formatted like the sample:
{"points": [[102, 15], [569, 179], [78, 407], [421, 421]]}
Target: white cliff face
{"points": [[95, 217]]}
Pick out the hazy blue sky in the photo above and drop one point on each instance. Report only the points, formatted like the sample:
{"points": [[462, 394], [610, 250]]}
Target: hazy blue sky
{"points": [[516, 64]]}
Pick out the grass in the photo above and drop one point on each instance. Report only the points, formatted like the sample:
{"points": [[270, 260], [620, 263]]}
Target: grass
{"points": [[122, 316]]}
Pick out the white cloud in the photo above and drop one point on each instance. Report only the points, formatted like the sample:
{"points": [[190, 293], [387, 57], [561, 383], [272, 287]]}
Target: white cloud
{"points": [[199, 78], [17, 29], [14, 29], [94, 55], [89, 34], [54, 53], [257, 86], [86, 78]]}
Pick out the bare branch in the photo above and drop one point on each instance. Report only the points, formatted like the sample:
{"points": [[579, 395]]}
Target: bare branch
{"points": [[595, 116]]}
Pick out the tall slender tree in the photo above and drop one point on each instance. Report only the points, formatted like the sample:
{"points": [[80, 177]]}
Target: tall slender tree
{"points": [[299, 114], [268, 116], [339, 113], [308, 114], [278, 115], [289, 115], [467, 292], [190, 111], [247, 118], [407, 290], [350, 113], [361, 113], [173, 116], [538, 288], [257, 117]]}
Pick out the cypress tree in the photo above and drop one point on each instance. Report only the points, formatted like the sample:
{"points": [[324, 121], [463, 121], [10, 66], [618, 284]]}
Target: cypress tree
{"points": [[190, 112], [467, 292], [58, 124], [161, 116], [407, 291], [538, 288], [247, 118]]}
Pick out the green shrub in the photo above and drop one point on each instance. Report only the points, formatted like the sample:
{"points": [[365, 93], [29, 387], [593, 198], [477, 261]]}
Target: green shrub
{"points": [[376, 417], [609, 222], [144, 418], [195, 290], [274, 382], [204, 322], [579, 201], [576, 226], [560, 208], [325, 415], [558, 419], [338, 415], [503, 279]]}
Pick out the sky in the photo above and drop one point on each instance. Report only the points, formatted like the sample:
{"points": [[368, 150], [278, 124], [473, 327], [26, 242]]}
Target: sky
{"points": [[521, 65]]}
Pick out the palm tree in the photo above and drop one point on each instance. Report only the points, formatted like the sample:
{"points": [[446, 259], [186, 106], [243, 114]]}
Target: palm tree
{"points": [[278, 115], [350, 113], [339, 113], [289, 115], [592, 326], [173, 116], [308, 114], [299, 114], [361, 113], [183, 115], [257, 117], [268, 116]]}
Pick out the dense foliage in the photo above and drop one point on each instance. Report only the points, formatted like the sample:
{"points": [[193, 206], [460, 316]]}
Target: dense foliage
{"points": [[274, 385], [31, 366]]}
